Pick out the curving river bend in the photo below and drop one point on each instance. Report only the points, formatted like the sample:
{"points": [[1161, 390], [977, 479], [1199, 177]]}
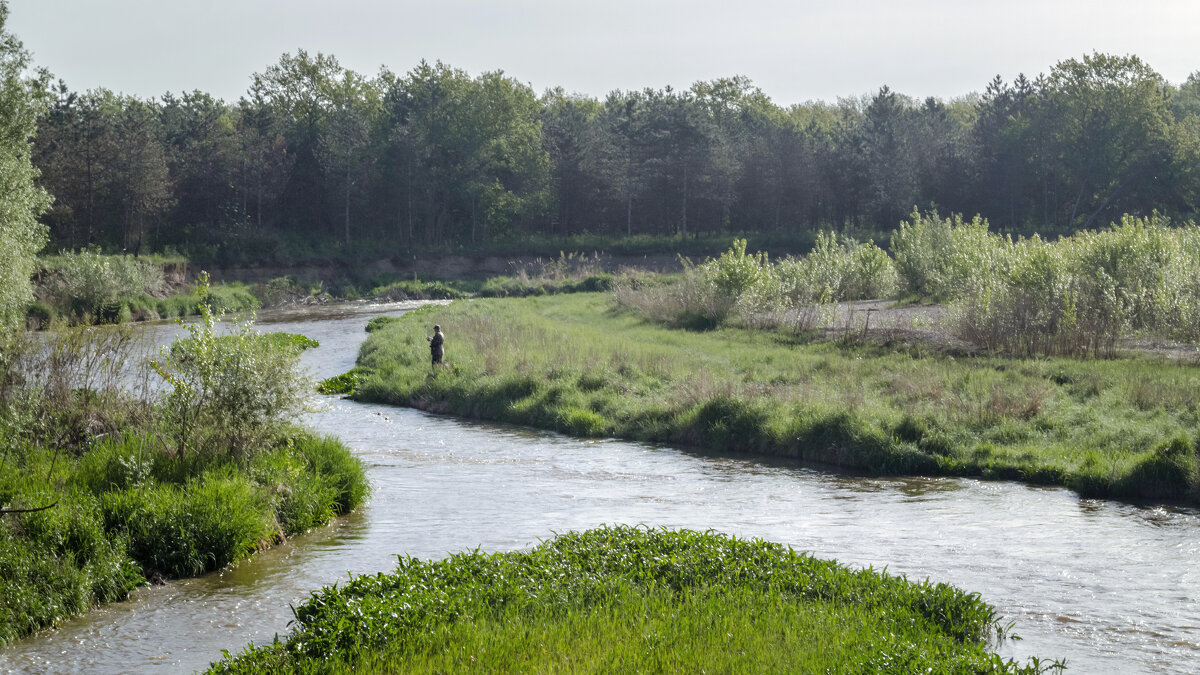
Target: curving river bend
{"points": [[1113, 588]]}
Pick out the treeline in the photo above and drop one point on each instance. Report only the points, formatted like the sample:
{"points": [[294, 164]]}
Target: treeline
{"points": [[317, 158]]}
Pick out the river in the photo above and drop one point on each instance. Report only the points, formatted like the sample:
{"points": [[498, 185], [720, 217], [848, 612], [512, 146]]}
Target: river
{"points": [[1111, 587]]}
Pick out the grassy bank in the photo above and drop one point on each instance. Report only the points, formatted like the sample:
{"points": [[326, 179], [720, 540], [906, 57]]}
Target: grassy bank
{"points": [[105, 484], [634, 600], [1122, 428], [125, 512]]}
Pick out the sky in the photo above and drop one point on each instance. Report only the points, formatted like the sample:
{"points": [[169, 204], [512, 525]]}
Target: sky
{"points": [[795, 51]]}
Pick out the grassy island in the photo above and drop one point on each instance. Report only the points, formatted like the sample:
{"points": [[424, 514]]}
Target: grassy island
{"points": [[635, 600], [1123, 427]]}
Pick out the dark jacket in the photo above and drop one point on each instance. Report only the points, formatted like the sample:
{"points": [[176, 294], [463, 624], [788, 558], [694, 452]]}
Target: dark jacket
{"points": [[436, 350]]}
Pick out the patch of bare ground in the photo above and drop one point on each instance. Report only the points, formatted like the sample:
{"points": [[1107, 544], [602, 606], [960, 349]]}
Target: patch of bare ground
{"points": [[887, 323]]}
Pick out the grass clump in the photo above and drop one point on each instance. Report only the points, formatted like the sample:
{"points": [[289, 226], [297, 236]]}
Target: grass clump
{"points": [[412, 289], [344, 384], [124, 512], [631, 600], [1122, 428]]}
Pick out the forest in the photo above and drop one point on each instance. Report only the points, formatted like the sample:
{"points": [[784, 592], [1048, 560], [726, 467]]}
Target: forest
{"points": [[317, 160]]}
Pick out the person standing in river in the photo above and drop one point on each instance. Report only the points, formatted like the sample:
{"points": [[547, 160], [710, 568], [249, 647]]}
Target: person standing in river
{"points": [[436, 345]]}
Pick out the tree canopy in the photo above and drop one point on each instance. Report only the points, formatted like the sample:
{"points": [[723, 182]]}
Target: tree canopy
{"points": [[318, 158], [21, 201]]}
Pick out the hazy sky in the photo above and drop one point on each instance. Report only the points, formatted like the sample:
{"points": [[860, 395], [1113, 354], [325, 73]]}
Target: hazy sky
{"points": [[794, 50]]}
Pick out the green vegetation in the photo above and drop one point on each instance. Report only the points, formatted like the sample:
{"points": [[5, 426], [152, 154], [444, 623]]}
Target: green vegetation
{"points": [[230, 392], [1076, 295], [1121, 428], [626, 599], [21, 201], [431, 159], [125, 510], [101, 489], [418, 290], [90, 287], [346, 383]]}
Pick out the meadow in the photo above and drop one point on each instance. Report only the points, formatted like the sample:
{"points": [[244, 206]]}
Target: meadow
{"points": [[584, 365]]}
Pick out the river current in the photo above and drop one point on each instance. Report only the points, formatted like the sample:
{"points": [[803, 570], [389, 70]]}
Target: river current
{"points": [[1110, 587]]}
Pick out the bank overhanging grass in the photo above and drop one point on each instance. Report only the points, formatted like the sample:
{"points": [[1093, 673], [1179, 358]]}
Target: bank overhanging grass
{"points": [[124, 512], [622, 599], [1124, 428]]}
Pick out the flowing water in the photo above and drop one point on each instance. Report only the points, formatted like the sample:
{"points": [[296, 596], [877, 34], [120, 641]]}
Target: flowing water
{"points": [[1113, 588]]}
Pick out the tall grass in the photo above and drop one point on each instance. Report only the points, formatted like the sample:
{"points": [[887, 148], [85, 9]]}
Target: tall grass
{"points": [[120, 505], [627, 599], [125, 511], [1116, 428]]}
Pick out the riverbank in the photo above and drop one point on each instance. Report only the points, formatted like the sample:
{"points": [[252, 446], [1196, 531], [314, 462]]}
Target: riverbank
{"points": [[123, 514], [635, 600], [90, 288], [1122, 428], [104, 488]]}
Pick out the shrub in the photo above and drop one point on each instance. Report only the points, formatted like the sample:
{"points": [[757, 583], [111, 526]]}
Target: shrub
{"points": [[1081, 294], [94, 285], [239, 388], [945, 258]]}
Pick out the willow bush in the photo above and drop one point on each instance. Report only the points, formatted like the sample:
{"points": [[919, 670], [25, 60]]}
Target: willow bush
{"points": [[94, 285], [229, 393], [748, 289], [1078, 295], [1081, 294]]}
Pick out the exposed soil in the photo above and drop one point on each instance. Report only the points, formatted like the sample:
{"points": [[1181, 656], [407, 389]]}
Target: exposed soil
{"points": [[885, 322]]}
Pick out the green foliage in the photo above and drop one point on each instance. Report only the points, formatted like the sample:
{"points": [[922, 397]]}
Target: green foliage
{"points": [[22, 99], [346, 383], [187, 530], [328, 460], [125, 508], [524, 285], [417, 290], [290, 342], [680, 582], [736, 272], [1081, 294], [380, 322], [748, 289], [940, 258], [238, 388], [565, 363], [94, 285]]}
